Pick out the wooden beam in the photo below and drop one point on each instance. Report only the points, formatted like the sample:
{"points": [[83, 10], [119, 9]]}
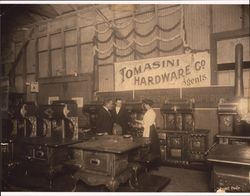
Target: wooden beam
{"points": [[38, 14], [231, 34], [48, 11], [55, 9], [19, 55], [74, 7], [231, 66]]}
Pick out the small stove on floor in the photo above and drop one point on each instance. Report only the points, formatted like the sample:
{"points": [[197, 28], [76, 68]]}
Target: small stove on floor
{"points": [[104, 160]]}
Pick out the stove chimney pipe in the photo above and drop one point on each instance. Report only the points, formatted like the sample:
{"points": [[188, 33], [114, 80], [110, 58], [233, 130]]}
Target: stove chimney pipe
{"points": [[238, 90]]}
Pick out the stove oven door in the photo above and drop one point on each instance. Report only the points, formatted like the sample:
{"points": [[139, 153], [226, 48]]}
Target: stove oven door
{"points": [[97, 162]]}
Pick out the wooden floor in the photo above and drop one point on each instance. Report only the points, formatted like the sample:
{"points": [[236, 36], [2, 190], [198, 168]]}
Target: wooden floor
{"points": [[184, 180]]}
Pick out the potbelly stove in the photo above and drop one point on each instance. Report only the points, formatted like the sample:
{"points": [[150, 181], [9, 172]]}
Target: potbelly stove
{"points": [[103, 160], [180, 143]]}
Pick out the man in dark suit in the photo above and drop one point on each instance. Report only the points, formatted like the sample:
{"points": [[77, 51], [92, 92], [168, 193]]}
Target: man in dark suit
{"points": [[120, 115], [104, 122]]}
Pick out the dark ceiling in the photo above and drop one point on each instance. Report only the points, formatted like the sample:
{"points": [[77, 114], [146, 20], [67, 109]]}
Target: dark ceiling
{"points": [[22, 14]]}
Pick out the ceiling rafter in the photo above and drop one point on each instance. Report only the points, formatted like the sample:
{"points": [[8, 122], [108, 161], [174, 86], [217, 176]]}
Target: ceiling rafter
{"points": [[55, 8], [48, 11], [74, 7], [39, 14], [37, 17], [66, 8]]}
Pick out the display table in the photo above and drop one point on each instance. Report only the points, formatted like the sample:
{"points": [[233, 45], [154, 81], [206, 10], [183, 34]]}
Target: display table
{"points": [[231, 167], [103, 160]]}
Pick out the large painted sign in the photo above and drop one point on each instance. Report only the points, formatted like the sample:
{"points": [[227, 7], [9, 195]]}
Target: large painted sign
{"points": [[180, 71]]}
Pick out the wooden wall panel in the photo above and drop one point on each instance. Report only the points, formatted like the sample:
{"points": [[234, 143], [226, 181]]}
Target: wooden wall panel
{"points": [[56, 63], [79, 89], [31, 57], [19, 66], [19, 84], [55, 26], [70, 22], [86, 18], [246, 16], [225, 78], [46, 90], [43, 64], [71, 60], [226, 50], [87, 34], [197, 26], [43, 43], [106, 78], [7, 50], [56, 40], [70, 37], [20, 63], [226, 17], [42, 30], [87, 58]]}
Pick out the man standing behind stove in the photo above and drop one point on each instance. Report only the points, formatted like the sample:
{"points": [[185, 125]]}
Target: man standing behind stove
{"points": [[104, 122], [120, 116]]}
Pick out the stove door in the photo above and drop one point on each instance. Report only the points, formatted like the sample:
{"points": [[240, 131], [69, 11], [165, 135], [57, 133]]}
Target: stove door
{"points": [[97, 162]]}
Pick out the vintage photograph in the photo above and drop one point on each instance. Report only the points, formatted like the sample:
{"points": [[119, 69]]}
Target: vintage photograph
{"points": [[125, 97]]}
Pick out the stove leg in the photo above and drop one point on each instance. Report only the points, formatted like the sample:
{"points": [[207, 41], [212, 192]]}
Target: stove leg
{"points": [[133, 181], [50, 184], [112, 185], [74, 188], [51, 176]]}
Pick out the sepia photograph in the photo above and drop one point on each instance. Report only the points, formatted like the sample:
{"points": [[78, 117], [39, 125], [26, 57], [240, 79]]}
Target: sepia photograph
{"points": [[126, 97]]}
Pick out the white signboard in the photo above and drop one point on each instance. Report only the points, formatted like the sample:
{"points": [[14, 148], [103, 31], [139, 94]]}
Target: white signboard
{"points": [[180, 71], [34, 87], [79, 101], [51, 99]]}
